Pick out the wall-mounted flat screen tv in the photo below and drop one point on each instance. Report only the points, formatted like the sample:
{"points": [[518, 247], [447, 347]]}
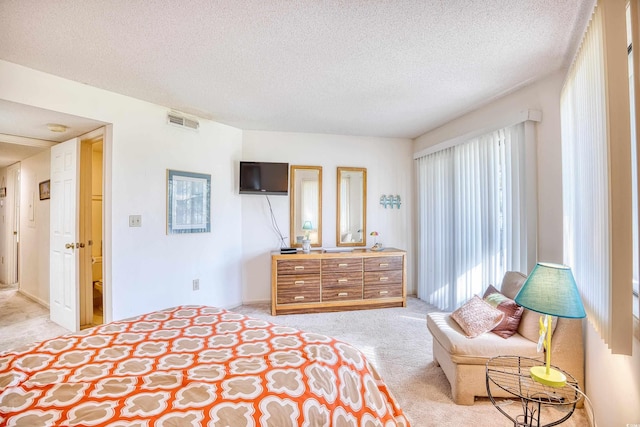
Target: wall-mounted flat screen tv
{"points": [[264, 178]]}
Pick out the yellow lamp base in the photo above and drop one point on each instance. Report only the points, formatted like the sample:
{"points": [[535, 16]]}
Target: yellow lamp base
{"points": [[548, 376]]}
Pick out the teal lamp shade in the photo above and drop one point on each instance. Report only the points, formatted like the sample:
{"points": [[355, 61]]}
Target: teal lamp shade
{"points": [[551, 289], [307, 227]]}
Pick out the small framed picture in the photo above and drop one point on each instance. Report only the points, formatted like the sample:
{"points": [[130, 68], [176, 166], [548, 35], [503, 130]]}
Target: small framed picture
{"points": [[188, 202], [3, 191], [45, 190]]}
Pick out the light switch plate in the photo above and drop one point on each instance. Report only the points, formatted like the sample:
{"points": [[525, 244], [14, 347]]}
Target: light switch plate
{"points": [[135, 220]]}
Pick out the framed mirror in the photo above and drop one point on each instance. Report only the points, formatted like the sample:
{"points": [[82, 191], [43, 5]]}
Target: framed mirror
{"points": [[351, 215], [305, 205]]}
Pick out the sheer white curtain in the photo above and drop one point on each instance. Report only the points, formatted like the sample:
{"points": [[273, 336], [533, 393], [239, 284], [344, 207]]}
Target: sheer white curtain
{"points": [[471, 200]]}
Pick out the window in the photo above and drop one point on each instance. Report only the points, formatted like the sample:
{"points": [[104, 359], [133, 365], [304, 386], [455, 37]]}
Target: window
{"points": [[472, 216], [597, 197]]}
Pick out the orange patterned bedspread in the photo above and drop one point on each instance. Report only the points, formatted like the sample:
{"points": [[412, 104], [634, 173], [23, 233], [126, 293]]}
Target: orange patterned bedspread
{"points": [[193, 366]]}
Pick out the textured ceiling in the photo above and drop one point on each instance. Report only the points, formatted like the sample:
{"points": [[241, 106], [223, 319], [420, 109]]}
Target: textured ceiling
{"points": [[354, 67]]}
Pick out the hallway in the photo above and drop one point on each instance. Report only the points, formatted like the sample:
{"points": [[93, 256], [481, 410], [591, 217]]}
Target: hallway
{"points": [[23, 321]]}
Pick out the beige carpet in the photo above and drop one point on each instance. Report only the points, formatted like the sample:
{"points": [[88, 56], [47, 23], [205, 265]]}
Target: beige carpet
{"points": [[396, 341], [22, 321]]}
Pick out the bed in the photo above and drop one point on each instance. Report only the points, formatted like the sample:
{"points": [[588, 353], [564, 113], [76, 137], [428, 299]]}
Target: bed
{"points": [[193, 366]]}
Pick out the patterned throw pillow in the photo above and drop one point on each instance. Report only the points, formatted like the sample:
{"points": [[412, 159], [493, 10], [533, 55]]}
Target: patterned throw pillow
{"points": [[512, 312], [476, 317]]}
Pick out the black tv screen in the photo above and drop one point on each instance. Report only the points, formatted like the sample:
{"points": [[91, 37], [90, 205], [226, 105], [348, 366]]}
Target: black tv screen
{"points": [[264, 178]]}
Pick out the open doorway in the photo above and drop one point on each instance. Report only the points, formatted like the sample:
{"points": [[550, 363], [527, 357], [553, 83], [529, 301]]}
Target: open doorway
{"points": [[91, 230], [13, 221], [25, 255]]}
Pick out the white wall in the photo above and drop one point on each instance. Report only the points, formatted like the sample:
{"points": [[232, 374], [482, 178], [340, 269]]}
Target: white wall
{"points": [[389, 171], [612, 382], [149, 269], [34, 228], [543, 96]]}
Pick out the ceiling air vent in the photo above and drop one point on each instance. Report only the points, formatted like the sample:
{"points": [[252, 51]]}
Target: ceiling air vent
{"points": [[181, 121]]}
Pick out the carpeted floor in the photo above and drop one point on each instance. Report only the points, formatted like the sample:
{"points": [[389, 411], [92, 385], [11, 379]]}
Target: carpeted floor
{"points": [[395, 340], [23, 321]]}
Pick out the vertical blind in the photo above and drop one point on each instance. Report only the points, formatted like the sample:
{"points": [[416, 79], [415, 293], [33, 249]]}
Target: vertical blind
{"points": [[471, 201], [594, 218]]}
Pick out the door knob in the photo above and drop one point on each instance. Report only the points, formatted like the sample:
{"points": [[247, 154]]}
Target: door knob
{"points": [[79, 245], [69, 246]]}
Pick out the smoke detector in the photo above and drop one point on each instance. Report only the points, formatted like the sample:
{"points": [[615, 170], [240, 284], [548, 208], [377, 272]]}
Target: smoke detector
{"points": [[177, 119]]}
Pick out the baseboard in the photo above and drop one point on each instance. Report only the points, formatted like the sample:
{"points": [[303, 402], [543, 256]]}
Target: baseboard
{"points": [[256, 302], [33, 298]]}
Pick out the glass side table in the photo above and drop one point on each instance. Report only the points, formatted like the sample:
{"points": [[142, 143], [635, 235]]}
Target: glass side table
{"points": [[511, 374]]}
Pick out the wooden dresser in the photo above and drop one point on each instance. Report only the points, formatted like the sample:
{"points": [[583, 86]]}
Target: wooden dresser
{"points": [[334, 281]]}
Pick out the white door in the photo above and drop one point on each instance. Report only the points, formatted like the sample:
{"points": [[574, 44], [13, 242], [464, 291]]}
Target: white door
{"points": [[64, 290]]}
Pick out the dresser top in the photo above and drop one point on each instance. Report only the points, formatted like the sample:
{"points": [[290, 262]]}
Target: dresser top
{"points": [[339, 253]]}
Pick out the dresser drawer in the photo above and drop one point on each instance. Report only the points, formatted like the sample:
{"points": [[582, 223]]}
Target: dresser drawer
{"points": [[341, 279], [382, 277], [341, 264], [291, 293], [300, 266], [342, 293], [298, 280], [383, 263], [382, 291]]}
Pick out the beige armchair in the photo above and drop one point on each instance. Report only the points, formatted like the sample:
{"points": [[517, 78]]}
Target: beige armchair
{"points": [[463, 359]]}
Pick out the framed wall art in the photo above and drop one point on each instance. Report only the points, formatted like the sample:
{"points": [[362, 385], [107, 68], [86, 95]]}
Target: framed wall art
{"points": [[188, 202], [44, 187]]}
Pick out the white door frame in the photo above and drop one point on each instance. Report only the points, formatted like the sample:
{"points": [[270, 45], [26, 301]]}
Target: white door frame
{"points": [[83, 254], [13, 221], [85, 225]]}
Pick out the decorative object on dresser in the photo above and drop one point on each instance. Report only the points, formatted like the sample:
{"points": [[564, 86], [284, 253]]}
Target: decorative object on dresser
{"points": [[333, 281], [306, 243], [376, 245]]}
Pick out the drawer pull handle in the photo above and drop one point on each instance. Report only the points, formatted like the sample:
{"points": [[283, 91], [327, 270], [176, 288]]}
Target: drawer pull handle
{"points": [[299, 282], [384, 278], [299, 267], [299, 297], [384, 292], [342, 280], [343, 265], [384, 264], [343, 294]]}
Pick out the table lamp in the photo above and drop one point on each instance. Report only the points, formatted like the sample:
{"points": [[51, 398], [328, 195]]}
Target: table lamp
{"points": [[551, 290], [307, 227]]}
